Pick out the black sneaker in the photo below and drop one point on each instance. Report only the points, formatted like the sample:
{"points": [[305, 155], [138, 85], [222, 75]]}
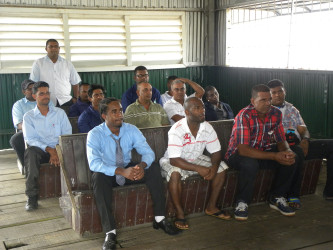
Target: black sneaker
{"points": [[32, 203], [110, 242], [280, 204], [241, 211]]}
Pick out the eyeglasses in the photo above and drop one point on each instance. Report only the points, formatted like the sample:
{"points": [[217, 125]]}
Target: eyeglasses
{"points": [[141, 76], [43, 93], [98, 94]]}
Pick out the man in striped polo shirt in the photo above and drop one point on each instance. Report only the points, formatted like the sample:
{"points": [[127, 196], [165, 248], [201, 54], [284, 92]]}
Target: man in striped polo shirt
{"points": [[144, 113], [188, 138]]}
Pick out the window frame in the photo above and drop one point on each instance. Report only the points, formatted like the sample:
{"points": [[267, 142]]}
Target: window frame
{"points": [[126, 16]]}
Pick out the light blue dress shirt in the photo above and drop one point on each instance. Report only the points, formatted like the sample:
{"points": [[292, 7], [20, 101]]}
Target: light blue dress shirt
{"points": [[20, 108], [101, 148], [59, 75], [44, 131]]}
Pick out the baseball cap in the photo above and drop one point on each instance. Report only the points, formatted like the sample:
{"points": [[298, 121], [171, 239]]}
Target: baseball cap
{"points": [[25, 84]]}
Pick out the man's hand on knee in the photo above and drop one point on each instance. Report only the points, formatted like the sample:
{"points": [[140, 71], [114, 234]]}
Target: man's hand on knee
{"points": [[285, 157], [54, 160]]}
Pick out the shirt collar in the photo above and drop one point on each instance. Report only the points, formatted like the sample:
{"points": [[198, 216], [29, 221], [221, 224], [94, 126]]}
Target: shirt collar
{"points": [[187, 129], [25, 100], [37, 111], [108, 132]]}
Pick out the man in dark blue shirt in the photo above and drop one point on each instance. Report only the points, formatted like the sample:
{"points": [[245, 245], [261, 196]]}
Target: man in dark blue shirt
{"points": [[130, 96], [91, 118], [82, 103], [215, 109]]}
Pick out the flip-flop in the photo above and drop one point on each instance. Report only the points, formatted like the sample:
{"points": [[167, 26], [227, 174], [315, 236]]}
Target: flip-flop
{"points": [[294, 202], [223, 215], [185, 224]]}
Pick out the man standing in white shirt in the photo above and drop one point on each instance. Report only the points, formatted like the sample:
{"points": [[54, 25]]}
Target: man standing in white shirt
{"points": [[59, 73]]}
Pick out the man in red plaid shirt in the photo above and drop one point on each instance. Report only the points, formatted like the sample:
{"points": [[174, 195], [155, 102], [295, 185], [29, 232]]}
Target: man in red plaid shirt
{"points": [[258, 141]]}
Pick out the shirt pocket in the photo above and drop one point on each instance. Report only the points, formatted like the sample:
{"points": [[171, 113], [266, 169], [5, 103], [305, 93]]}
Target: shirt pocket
{"points": [[55, 130]]}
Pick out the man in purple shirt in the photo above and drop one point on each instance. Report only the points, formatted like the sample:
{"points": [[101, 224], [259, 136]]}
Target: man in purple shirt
{"points": [[82, 103], [91, 118], [130, 96]]}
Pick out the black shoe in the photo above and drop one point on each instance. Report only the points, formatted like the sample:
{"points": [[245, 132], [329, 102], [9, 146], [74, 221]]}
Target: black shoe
{"points": [[110, 242], [32, 203], [166, 226]]}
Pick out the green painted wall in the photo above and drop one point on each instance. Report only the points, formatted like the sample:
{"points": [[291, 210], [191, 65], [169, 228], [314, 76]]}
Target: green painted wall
{"points": [[310, 91]]}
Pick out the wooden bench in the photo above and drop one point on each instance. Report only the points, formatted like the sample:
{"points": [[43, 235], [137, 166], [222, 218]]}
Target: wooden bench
{"points": [[132, 205], [49, 175]]}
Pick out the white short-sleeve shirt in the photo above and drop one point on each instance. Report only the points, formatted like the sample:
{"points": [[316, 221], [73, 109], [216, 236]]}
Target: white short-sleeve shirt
{"points": [[60, 76], [181, 143]]}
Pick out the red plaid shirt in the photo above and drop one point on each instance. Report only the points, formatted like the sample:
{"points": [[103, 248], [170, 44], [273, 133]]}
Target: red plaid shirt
{"points": [[250, 130]]}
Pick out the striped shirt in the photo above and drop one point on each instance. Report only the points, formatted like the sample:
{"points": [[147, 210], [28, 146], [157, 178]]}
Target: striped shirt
{"points": [[181, 142], [137, 115], [249, 129]]}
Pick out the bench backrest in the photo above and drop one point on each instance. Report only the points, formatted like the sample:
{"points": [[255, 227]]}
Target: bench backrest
{"points": [[75, 158]]}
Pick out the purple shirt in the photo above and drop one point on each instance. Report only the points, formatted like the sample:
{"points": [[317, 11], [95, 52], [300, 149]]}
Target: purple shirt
{"points": [[77, 108]]}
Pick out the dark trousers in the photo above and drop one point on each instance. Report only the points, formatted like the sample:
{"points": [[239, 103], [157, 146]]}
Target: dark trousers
{"points": [[318, 149], [248, 168], [33, 158], [17, 143], [69, 103], [103, 185]]}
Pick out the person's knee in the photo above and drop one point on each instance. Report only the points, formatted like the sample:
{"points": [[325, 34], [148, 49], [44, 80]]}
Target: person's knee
{"points": [[248, 165], [175, 177], [16, 140]]}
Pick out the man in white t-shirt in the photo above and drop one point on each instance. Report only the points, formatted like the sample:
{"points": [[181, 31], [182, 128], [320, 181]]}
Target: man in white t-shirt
{"points": [[187, 140], [174, 107], [168, 94]]}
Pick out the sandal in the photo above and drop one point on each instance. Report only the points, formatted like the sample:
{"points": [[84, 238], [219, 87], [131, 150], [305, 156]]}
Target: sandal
{"points": [[182, 224], [294, 202], [220, 214]]}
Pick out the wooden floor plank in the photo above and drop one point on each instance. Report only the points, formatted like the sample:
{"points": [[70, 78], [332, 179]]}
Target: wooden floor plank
{"points": [[12, 187], [11, 176], [32, 229], [44, 212]]}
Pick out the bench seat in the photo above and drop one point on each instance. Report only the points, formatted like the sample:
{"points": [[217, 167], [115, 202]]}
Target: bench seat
{"points": [[132, 204]]}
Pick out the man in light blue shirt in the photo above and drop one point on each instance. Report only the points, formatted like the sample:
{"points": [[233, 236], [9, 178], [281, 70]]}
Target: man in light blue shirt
{"points": [[19, 109], [59, 73], [42, 127], [109, 147]]}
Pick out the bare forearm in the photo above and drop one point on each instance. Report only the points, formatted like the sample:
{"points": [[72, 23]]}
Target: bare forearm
{"points": [[246, 150], [216, 158], [76, 90], [283, 146], [181, 163]]}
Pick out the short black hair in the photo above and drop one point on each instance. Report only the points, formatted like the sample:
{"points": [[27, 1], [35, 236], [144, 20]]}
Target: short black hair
{"points": [[188, 102], [103, 105], [209, 88], [259, 88], [83, 84], [51, 40], [171, 78], [93, 87], [275, 83], [38, 85], [139, 68]]}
